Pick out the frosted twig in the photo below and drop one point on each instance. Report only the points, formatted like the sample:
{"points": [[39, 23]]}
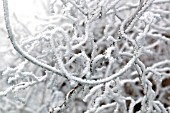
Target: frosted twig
{"points": [[21, 85], [18, 48]]}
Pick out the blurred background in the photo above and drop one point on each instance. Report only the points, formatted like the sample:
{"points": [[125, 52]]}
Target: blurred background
{"points": [[26, 17]]}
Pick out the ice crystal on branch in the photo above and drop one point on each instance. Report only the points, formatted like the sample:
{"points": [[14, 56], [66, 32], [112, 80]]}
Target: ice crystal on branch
{"points": [[90, 56]]}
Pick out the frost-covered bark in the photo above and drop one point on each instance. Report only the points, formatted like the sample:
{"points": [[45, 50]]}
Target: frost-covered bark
{"points": [[92, 56]]}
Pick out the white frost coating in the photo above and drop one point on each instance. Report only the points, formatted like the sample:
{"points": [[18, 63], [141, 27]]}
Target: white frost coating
{"points": [[104, 107], [161, 106], [33, 60], [92, 91], [86, 36], [109, 52], [101, 55]]}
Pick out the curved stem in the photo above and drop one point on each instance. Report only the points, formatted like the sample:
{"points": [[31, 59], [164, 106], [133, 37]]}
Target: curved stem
{"points": [[18, 48], [49, 68]]}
